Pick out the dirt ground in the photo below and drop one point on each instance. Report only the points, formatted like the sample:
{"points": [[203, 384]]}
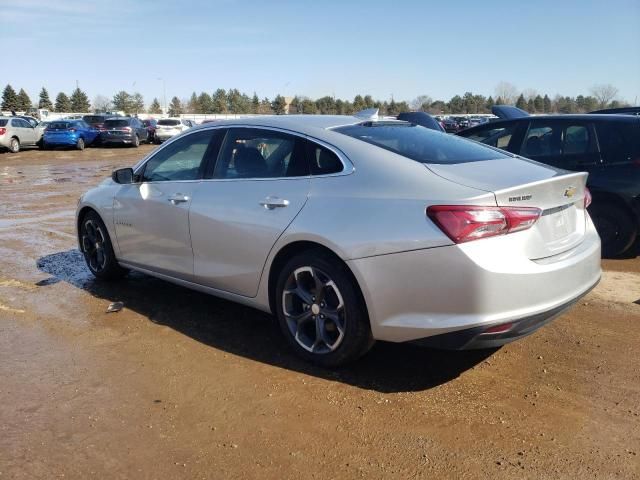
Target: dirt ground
{"points": [[183, 385]]}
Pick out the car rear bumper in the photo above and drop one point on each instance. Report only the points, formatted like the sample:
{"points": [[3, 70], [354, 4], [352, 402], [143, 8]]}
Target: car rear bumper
{"points": [[423, 293], [496, 335], [164, 135], [120, 139], [61, 140]]}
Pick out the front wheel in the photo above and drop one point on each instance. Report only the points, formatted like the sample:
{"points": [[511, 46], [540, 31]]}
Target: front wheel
{"points": [[615, 226], [14, 145], [321, 311], [97, 248]]}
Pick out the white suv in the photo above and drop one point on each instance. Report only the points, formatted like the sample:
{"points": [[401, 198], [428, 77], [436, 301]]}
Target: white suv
{"points": [[168, 127]]}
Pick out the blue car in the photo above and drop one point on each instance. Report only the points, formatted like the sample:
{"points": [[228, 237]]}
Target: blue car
{"points": [[69, 133]]}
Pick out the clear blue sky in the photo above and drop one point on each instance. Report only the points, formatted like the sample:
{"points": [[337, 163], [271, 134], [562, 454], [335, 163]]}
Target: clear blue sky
{"points": [[316, 48]]}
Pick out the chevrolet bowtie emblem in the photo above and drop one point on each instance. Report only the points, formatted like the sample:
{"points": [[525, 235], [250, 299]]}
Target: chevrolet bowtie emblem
{"points": [[570, 192]]}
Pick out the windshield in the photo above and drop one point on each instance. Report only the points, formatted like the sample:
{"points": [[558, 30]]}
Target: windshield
{"points": [[419, 143], [168, 122], [116, 123]]}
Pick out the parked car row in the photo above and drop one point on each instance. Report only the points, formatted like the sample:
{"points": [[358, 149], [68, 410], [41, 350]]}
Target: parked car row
{"points": [[98, 129]]}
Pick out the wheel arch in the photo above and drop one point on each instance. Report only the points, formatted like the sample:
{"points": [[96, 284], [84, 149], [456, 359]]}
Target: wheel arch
{"points": [[287, 252], [600, 197]]}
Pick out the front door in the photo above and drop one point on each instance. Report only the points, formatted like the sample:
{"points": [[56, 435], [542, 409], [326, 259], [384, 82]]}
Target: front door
{"points": [[261, 182], [152, 217]]}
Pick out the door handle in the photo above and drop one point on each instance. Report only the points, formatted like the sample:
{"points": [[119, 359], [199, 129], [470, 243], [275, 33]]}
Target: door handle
{"points": [[178, 198], [274, 202]]}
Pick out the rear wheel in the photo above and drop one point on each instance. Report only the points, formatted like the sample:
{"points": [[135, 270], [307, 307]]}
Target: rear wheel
{"points": [[97, 248], [14, 145], [136, 141], [80, 145], [615, 226], [321, 311]]}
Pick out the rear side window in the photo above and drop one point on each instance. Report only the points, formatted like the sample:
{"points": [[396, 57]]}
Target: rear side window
{"points": [[257, 153], [322, 161], [116, 123], [575, 140], [619, 141], [419, 143]]}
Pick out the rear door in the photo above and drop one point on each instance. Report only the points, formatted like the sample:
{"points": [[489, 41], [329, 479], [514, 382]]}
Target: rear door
{"points": [[260, 183], [152, 217], [26, 133]]}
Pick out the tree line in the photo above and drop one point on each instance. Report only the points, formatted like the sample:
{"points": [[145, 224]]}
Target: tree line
{"points": [[236, 102]]}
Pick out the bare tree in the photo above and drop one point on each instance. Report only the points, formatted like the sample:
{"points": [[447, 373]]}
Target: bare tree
{"points": [[421, 103], [101, 103], [507, 92], [604, 93], [529, 93]]}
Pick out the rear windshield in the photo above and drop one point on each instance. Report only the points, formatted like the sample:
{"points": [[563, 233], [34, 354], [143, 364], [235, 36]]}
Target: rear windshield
{"points": [[3, 122], [93, 118], [116, 123], [419, 143], [168, 122], [59, 125]]}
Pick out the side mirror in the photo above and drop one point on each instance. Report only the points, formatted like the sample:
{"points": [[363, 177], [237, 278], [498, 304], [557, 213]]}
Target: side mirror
{"points": [[123, 176]]}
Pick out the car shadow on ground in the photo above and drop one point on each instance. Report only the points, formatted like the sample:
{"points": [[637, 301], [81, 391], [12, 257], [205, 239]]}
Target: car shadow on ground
{"points": [[244, 331]]}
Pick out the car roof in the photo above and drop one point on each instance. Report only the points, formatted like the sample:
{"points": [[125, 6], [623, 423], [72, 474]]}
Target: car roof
{"points": [[298, 123]]}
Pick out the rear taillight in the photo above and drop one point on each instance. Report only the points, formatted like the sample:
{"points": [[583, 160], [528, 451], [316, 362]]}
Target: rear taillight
{"points": [[587, 197], [3, 130], [463, 223], [127, 129]]}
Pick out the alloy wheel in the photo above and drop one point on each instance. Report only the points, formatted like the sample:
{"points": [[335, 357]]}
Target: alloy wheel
{"points": [[314, 310], [93, 246]]}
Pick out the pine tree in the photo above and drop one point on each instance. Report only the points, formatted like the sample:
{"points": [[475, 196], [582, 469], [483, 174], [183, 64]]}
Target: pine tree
{"points": [[279, 105], [219, 101], [24, 102], [205, 104], [79, 101], [175, 107], [155, 107], [193, 106], [62, 103], [122, 101], [521, 103], [9, 98], [530, 106], [538, 104], [546, 101], [255, 103], [45, 101], [265, 107]]}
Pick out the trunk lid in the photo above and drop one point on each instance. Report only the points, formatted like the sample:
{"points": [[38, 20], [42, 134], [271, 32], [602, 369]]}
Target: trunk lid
{"points": [[517, 182]]}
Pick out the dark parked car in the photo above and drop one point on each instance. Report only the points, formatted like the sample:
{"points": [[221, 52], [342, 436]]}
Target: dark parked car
{"points": [[150, 123], [450, 125], [124, 131], [605, 146], [97, 120]]}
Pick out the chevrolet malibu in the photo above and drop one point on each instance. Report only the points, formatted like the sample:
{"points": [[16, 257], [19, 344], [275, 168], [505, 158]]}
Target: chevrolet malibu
{"points": [[351, 230]]}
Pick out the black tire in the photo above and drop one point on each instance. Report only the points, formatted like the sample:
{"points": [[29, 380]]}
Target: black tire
{"points": [[80, 144], [616, 228], [355, 339], [136, 141], [14, 145], [93, 232]]}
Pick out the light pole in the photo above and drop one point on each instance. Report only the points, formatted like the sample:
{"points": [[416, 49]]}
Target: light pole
{"points": [[164, 94]]}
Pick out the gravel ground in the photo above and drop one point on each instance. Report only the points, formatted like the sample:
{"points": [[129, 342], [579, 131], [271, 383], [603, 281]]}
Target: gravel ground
{"points": [[182, 385]]}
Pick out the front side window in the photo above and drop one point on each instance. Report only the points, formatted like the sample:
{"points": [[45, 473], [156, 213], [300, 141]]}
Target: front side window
{"points": [[541, 140], [182, 159], [257, 153], [419, 143]]}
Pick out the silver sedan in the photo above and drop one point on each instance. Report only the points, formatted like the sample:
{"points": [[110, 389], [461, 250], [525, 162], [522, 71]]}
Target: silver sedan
{"points": [[351, 230]]}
